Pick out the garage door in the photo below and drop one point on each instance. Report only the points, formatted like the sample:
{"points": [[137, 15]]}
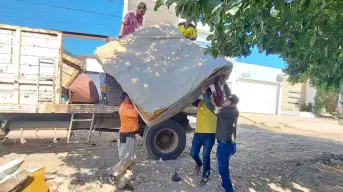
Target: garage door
{"points": [[257, 97]]}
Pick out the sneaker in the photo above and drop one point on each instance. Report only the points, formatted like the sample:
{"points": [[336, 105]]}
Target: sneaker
{"points": [[203, 181], [196, 170]]}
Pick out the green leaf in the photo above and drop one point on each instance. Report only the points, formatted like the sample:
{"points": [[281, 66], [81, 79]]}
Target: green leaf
{"points": [[207, 51], [216, 8], [333, 15], [326, 11], [313, 4], [217, 18], [341, 53], [326, 51], [305, 3], [248, 39], [260, 49], [170, 2], [274, 12], [233, 10], [210, 37], [313, 40], [158, 4]]}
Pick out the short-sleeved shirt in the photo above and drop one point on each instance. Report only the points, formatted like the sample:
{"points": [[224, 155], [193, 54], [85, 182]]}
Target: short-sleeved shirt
{"points": [[206, 119], [131, 23], [128, 118]]}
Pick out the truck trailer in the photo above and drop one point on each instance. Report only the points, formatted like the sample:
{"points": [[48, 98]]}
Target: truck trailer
{"points": [[34, 73]]}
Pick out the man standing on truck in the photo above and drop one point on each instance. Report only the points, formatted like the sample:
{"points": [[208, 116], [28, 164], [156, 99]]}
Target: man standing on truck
{"points": [[227, 117], [127, 141], [133, 21]]}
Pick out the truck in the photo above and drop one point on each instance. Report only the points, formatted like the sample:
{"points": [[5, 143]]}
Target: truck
{"points": [[34, 73]]}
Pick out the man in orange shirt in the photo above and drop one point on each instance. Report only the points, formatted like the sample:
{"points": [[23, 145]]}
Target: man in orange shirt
{"points": [[127, 145]]}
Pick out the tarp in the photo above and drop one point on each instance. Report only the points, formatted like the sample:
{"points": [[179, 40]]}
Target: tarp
{"points": [[160, 70]]}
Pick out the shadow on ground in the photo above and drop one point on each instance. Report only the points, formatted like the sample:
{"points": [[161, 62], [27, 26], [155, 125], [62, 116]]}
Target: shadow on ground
{"points": [[265, 161]]}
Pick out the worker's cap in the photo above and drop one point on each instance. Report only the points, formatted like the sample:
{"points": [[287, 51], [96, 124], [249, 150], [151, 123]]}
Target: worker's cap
{"points": [[123, 95], [141, 5], [234, 99]]}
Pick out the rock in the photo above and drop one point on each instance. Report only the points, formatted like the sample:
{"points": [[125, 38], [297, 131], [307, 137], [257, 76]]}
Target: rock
{"points": [[335, 162]]}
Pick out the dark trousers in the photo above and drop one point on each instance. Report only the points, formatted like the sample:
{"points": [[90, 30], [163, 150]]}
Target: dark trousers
{"points": [[224, 153], [207, 141]]}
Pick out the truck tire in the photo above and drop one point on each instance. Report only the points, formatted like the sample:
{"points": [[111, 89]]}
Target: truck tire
{"points": [[166, 140]]}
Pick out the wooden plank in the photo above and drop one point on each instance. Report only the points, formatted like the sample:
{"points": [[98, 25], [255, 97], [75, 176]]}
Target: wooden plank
{"points": [[84, 36], [58, 72], [58, 108], [31, 41], [13, 27], [40, 52], [67, 79], [71, 58], [6, 93], [13, 183], [72, 108], [16, 54]]}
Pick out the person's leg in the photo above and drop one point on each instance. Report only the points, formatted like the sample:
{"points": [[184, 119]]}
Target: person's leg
{"points": [[126, 169], [208, 141], [195, 150], [126, 155], [224, 150]]}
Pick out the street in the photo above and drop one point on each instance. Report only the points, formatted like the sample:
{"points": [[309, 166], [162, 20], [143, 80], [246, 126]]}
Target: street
{"points": [[265, 161]]}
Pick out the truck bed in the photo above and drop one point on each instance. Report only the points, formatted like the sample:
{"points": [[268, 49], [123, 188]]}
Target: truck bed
{"points": [[67, 108], [57, 108]]}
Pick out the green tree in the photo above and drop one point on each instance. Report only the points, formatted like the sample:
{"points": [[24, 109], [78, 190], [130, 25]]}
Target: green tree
{"points": [[307, 34]]}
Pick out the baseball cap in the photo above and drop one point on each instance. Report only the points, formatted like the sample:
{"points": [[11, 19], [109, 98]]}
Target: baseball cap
{"points": [[234, 99], [123, 95]]}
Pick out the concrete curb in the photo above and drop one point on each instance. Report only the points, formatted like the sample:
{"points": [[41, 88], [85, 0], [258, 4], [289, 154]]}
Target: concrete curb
{"points": [[248, 119]]}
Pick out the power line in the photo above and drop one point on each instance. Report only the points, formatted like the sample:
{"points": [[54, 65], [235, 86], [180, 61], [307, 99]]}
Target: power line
{"points": [[63, 22], [68, 8], [73, 9], [46, 15]]}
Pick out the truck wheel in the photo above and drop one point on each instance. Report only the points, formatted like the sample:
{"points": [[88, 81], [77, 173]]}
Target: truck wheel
{"points": [[166, 140]]}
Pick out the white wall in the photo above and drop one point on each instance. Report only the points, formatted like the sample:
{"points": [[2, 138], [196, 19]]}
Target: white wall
{"points": [[256, 72], [310, 93], [92, 65]]}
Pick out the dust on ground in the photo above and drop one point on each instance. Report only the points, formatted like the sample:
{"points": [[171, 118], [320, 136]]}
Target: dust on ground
{"points": [[265, 161]]}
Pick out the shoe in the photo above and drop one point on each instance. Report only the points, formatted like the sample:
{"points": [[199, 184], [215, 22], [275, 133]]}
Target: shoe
{"points": [[203, 181], [112, 179], [196, 170], [124, 179]]}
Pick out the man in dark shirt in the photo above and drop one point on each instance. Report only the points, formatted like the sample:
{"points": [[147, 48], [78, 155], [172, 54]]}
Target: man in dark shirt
{"points": [[227, 117]]}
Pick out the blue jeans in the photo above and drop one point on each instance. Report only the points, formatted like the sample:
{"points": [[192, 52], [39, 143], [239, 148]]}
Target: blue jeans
{"points": [[224, 153], [206, 140]]}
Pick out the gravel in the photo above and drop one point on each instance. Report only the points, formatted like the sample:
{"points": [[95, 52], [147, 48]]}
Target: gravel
{"points": [[265, 161]]}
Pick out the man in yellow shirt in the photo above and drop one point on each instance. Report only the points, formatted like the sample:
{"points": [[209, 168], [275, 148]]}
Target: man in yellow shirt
{"points": [[204, 136]]}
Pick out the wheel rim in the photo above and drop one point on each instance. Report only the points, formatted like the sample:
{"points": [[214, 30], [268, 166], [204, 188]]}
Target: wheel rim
{"points": [[166, 140]]}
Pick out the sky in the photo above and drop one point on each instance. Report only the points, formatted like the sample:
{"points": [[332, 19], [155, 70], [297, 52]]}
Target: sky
{"points": [[22, 13]]}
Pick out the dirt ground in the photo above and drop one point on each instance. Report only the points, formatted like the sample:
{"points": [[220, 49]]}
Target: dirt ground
{"points": [[265, 161]]}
